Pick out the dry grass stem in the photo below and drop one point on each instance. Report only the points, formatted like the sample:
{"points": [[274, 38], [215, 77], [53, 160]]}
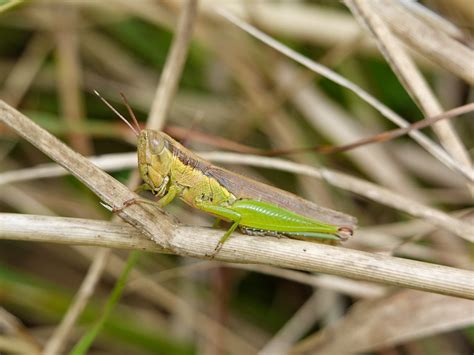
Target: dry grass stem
{"points": [[108, 162], [432, 18], [334, 283], [174, 66], [353, 184], [409, 76], [373, 160], [425, 166], [154, 224], [361, 327], [22, 74], [99, 48], [286, 253], [316, 24], [16, 346], [300, 323], [436, 45], [57, 341], [419, 137], [69, 73], [16, 334], [206, 73], [22, 201], [350, 287], [160, 108], [173, 303], [346, 182], [279, 126]]}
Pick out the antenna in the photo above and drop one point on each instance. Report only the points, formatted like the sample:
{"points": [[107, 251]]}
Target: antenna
{"points": [[137, 132], [130, 111]]}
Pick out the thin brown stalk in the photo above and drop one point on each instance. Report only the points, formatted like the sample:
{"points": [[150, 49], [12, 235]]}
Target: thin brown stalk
{"points": [[395, 133], [329, 118]]}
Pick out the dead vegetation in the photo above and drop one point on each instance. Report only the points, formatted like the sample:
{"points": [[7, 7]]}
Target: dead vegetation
{"points": [[245, 76]]}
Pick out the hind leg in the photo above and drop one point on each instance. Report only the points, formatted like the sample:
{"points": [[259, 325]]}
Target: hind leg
{"points": [[221, 212]]}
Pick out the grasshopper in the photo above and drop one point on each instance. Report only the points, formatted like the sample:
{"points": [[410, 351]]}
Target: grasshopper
{"points": [[169, 170]]}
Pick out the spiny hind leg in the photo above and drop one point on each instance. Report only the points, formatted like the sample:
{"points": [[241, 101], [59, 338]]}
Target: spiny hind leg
{"points": [[221, 212], [261, 232]]}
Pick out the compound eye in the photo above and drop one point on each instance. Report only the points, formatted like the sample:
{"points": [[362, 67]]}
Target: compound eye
{"points": [[157, 144]]}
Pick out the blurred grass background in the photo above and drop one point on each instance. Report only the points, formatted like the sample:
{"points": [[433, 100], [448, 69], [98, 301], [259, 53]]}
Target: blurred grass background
{"points": [[53, 54]]}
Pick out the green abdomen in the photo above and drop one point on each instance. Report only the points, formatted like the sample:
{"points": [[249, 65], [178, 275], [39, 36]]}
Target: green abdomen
{"points": [[264, 216]]}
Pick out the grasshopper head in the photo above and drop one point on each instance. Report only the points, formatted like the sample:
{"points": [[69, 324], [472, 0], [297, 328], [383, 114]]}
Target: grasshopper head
{"points": [[154, 161]]}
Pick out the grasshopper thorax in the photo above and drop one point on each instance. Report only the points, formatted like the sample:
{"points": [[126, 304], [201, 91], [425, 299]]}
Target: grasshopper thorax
{"points": [[154, 161]]}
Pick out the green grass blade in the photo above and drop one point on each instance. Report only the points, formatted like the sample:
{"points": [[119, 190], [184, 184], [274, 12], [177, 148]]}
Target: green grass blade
{"points": [[86, 341]]}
